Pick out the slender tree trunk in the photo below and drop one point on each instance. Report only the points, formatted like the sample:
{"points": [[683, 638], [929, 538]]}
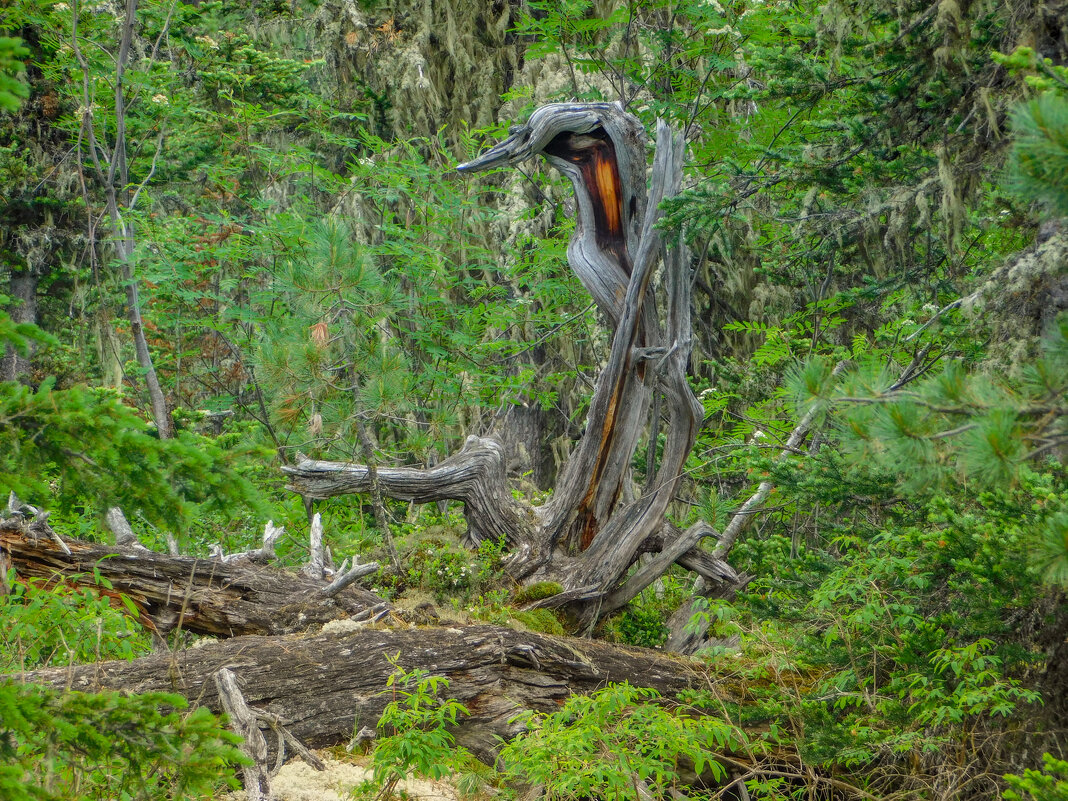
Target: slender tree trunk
{"points": [[158, 401], [23, 309], [112, 169]]}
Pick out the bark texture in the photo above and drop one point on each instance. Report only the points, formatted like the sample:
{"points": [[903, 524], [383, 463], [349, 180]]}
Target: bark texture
{"points": [[205, 596], [326, 687]]}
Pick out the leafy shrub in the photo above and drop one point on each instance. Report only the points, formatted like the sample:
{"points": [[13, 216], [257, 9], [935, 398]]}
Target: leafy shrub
{"points": [[117, 458], [610, 743], [1048, 784], [63, 625], [639, 625], [448, 571], [418, 741], [80, 746]]}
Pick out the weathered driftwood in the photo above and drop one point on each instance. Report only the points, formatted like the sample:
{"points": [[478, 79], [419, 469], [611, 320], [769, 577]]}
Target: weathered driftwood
{"points": [[324, 688], [205, 596], [256, 776], [593, 529]]}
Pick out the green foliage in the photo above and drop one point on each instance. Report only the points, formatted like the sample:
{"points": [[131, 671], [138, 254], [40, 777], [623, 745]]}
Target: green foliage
{"points": [[370, 334], [541, 620], [21, 336], [1048, 784], [904, 648], [537, 591], [450, 571], [416, 732], [67, 445], [639, 625], [950, 424], [59, 625], [12, 90], [1040, 74], [78, 746], [1039, 160], [314, 279], [608, 744], [494, 607]]}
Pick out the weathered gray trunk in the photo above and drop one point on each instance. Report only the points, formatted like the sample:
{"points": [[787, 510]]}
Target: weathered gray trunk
{"points": [[590, 533]]}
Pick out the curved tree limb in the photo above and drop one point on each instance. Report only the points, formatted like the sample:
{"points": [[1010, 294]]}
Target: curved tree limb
{"points": [[475, 475]]}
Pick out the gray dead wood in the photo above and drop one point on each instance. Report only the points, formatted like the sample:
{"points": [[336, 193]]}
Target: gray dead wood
{"points": [[324, 688], [205, 596], [243, 721], [591, 532]]}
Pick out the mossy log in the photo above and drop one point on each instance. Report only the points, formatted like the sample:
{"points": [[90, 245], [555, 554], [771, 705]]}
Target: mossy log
{"points": [[326, 687]]}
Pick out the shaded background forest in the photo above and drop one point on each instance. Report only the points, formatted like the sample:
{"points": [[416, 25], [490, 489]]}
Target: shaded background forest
{"points": [[262, 249]]}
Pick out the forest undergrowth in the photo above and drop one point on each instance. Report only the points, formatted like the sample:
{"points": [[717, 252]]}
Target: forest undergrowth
{"points": [[231, 233]]}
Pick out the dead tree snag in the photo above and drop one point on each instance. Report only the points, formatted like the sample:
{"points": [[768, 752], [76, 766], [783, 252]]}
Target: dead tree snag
{"points": [[590, 534]]}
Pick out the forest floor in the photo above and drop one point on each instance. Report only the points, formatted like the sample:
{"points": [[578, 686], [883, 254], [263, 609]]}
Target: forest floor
{"points": [[299, 781]]}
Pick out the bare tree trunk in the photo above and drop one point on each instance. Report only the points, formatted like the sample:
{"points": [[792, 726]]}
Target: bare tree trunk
{"points": [[589, 535], [23, 291], [112, 170]]}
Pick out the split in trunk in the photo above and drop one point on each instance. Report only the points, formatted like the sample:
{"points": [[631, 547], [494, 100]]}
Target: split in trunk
{"points": [[589, 535]]}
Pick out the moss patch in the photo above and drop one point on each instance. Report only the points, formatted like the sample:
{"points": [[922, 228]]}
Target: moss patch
{"points": [[540, 620], [537, 591]]}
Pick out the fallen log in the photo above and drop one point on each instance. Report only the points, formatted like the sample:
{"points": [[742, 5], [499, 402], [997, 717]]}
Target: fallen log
{"points": [[205, 596], [326, 687]]}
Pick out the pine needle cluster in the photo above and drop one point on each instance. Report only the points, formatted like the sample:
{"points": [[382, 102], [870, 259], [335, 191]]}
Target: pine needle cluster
{"points": [[1038, 165]]}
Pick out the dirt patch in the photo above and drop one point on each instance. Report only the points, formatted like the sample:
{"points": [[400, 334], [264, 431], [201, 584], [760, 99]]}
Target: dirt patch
{"points": [[298, 781]]}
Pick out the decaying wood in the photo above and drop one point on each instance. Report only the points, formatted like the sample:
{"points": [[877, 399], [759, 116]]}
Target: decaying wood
{"points": [[205, 596], [256, 776], [324, 688], [260, 556], [591, 532], [475, 475]]}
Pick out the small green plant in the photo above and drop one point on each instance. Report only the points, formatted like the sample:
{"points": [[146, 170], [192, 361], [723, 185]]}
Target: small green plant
{"points": [[415, 726], [1048, 784], [94, 746], [491, 607], [622, 742], [61, 625]]}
